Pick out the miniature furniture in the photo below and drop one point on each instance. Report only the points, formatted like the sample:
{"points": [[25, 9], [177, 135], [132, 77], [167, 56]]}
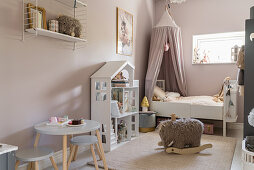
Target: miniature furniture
{"points": [[247, 158], [84, 141], [105, 91], [147, 121], [35, 155], [7, 156], [64, 131]]}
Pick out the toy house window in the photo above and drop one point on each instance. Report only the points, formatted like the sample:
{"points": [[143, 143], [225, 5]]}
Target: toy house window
{"points": [[101, 96], [218, 48], [97, 85]]}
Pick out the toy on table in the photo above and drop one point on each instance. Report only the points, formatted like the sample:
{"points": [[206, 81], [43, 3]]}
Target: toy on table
{"points": [[182, 136], [145, 104], [58, 121], [76, 122]]}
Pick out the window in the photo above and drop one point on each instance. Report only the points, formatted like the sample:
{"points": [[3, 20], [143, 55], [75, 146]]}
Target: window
{"points": [[217, 48]]}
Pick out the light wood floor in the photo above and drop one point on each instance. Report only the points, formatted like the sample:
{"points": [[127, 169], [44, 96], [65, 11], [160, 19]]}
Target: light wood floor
{"points": [[83, 158]]}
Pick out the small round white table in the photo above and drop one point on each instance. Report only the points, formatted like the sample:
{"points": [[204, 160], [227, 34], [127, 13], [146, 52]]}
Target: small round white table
{"points": [[90, 125]]}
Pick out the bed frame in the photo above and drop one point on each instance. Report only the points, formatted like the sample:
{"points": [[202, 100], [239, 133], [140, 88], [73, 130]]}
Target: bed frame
{"points": [[187, 110]]}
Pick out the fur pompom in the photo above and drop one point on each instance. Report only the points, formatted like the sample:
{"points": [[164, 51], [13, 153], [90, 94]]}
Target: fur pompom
{"points": [[251, 117]]}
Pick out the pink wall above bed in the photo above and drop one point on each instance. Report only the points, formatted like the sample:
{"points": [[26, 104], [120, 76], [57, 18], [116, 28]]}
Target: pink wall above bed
{"points": [[205, 17]]}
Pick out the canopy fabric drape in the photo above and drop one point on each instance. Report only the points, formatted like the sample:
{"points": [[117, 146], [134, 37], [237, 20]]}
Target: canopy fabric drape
{"points": [[169, 64]]}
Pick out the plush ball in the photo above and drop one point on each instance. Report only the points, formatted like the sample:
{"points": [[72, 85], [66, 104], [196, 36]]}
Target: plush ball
{"points": [[251, 118], [70, 26]]}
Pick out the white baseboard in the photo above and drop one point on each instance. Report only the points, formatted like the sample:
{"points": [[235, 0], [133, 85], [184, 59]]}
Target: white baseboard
{"points": [[57, 157]]}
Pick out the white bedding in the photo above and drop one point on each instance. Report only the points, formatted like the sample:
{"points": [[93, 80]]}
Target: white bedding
{"points": [[194, 100]]}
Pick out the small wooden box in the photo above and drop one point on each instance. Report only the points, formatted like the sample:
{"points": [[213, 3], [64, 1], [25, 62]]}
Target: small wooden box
{"points": [[208, 129]]}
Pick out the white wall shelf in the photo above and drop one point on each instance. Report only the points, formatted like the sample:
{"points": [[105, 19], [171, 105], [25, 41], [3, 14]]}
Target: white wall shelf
{"points": [[102, 94], [36, 25], [55, 35]]}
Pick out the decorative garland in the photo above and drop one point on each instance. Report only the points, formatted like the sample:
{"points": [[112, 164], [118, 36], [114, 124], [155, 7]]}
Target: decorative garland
{"points": [[177, 1]]}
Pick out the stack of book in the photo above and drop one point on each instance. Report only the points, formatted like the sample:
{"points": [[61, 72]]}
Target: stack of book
{"points": [[120, 83]]}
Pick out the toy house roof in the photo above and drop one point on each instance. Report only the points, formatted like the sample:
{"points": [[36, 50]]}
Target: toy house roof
{"points": [[111, 69]]}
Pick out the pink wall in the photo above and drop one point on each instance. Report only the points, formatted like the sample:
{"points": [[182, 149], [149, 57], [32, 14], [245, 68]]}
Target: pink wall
{"points": [[205, 17], [41, 77]]}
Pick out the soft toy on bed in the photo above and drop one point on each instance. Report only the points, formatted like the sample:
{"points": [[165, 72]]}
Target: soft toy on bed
{"points": [[182, 136]]}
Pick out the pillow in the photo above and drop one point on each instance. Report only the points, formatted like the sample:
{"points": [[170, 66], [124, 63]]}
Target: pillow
{"points": [[172, 94], [160, 94]]}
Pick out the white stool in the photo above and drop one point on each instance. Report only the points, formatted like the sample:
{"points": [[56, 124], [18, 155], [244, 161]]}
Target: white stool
{"points": [[84, 141], [34, 155]]}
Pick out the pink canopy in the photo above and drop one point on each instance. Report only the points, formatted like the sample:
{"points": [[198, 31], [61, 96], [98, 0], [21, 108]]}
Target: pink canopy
{"points": [[166, 65]]}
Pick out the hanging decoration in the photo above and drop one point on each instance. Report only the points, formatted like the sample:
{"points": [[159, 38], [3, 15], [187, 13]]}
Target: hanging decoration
{"points": [[177, 1]]}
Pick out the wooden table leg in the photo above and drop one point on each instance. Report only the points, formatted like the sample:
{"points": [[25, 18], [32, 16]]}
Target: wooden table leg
{"points": [[65, 152], [101, 149], [36, 164], [17, 164], [53, 163], [94, 157], [37, 138]]}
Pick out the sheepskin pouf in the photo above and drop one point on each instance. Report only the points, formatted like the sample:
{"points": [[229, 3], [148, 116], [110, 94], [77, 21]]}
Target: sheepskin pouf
{"points": [[181, 133]]}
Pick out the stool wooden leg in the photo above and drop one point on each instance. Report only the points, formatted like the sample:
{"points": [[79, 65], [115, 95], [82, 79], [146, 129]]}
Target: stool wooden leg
{"points": [[75, 153], [101, 149], [36, 164], [94, 157], [71, 156], [17, 164], [29, 166], [53, 163], [98, 150]]}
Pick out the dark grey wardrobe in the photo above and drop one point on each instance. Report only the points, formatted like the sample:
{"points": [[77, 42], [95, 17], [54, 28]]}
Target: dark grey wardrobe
{"points": [[249, 74]]}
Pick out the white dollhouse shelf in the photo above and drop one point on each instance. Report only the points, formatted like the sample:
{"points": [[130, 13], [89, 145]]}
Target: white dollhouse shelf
{"points": [[55, 35], [102, 93]]}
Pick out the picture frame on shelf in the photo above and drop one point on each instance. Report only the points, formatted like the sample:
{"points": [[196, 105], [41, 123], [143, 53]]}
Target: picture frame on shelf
{"points": [[124, 32], [36, 16]]}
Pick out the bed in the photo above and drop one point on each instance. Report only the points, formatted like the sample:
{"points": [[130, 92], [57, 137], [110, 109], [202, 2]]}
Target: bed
{"points": [[201, 107]]}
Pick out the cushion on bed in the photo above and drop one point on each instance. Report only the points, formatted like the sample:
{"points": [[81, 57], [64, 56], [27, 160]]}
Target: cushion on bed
{"points": [[159, 93], [172, 94]]}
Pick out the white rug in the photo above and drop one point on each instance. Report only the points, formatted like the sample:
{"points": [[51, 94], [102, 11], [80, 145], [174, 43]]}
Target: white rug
{"points": [[141, 154]]}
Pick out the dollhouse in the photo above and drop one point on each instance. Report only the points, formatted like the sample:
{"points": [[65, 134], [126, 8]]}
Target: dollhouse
{"points": [[115, 103]]}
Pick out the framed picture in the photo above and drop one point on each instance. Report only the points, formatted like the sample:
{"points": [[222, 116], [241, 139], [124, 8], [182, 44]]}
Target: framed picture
{"points": [[124, 32], [36, 16]]}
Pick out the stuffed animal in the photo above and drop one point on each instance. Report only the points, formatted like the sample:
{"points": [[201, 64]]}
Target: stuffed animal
{"points": [[181, 133], [70, 26]]}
